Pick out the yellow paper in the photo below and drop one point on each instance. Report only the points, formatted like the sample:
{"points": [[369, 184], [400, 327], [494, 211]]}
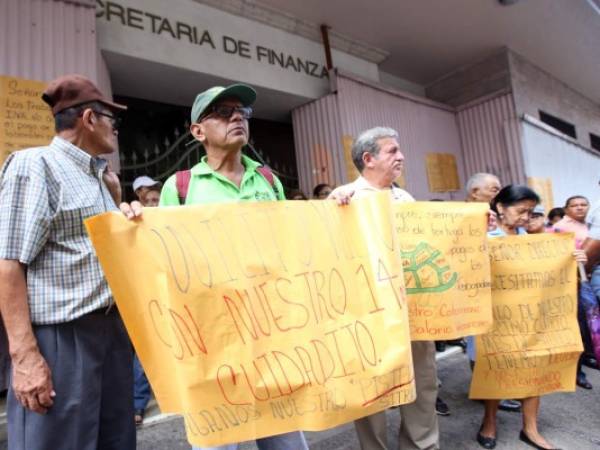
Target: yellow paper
{"points": [[25, 120], [442, 172], [351, 170], [543, 187], [446, 268], [256, 319], [535, 342]]}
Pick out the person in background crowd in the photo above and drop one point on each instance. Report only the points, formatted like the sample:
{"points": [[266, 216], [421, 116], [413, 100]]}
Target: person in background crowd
{"points": [[297, 194], [554, 215], [482, 187], [576, 209], [152, 196], [321, 191], [141, 185], [377, 156], [72, 377], [514, 206], [220, 123], [537, 223], [149, 197]]}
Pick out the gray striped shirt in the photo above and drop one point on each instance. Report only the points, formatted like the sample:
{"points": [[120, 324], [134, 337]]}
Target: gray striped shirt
{"points": [[45, 195]]}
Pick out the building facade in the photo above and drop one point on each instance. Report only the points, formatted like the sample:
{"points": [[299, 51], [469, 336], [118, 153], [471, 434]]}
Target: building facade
{"points": [[500, 113]]}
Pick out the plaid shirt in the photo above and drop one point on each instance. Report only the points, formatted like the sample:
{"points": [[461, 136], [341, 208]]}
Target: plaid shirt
{"points": [[45, 195]]}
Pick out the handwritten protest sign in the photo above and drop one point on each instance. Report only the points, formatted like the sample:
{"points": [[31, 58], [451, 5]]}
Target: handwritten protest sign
{"points": [[535, 343], [25, 120], [446, 268], [260, 318]]}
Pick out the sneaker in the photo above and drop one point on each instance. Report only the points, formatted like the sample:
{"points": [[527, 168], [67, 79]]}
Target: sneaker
{"points": [[441, 408]]}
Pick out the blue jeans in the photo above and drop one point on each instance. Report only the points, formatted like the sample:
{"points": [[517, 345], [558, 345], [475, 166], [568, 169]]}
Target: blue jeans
{"points": [[141, 387], [287, 441]]}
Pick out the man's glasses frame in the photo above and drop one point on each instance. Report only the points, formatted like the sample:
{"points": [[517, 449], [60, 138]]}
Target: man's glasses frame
{"points": [[225, 112], [115, 121]]}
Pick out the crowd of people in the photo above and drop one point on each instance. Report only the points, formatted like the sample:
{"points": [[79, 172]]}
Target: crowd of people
{"points": [[73, 367]]}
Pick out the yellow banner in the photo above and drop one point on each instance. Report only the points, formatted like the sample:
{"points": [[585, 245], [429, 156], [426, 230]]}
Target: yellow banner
{"points": [[255, 319], [446, 268], [535, 342], [25, 120]]}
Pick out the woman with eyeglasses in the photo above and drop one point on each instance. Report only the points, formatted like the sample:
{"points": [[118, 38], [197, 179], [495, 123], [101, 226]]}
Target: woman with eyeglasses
{"points": [[515, 206]]}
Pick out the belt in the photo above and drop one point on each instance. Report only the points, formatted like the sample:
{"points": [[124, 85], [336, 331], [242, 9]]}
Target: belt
{"points": [[105, 310]]}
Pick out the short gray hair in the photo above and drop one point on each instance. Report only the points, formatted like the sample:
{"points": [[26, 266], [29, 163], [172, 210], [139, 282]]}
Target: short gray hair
{"points": [[367, 142], [478, 180]]}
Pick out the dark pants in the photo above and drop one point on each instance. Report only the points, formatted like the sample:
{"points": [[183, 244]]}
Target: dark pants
{"points": [[141, 386], [91, 363]]}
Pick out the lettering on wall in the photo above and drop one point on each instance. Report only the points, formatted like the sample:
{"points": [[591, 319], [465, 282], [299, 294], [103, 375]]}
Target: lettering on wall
{"points": [[188, 33], [25, 120]]}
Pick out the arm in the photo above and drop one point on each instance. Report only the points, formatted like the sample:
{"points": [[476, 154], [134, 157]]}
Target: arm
{"points": [[32, 381], [591, 247], [112, 183]]}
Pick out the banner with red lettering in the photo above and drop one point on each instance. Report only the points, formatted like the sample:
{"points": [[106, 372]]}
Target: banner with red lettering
{"points": [[535, 342], [256, 319]]}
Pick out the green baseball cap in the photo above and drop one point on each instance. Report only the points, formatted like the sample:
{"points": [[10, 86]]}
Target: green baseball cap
{"points": [[242, 92]]}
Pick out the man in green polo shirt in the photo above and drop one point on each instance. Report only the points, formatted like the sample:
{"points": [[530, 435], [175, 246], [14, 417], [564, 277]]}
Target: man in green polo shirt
{"points": [[220, 122]]}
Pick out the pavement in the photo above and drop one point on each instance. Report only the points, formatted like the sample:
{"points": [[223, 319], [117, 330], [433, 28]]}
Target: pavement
{"points": [[570, 421]]}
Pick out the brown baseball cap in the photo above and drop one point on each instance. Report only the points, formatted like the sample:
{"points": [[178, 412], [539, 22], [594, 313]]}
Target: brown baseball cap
{"points": [[74, 90]]}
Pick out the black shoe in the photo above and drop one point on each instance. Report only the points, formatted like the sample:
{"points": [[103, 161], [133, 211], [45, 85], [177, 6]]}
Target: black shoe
{"points": [[486, 442], [523, 437], [440, 346], [510, 405], [590, 361], [441, 408], [582, 382]]}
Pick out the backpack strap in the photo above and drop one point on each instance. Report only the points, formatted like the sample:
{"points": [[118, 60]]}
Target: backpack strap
{"points": [[182, 182], [267, 174]]}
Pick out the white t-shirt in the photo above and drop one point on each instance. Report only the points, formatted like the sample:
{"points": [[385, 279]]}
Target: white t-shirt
{"points": [[363, 188]]}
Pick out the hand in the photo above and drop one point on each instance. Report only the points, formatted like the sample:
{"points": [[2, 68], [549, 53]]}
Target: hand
{"points": [[111, 180], [131, 210], [580, 256], [341, 197], [492, 220], [32, 381]]}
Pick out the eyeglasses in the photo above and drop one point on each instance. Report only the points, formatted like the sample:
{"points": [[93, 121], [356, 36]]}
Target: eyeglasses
{"points": [[115, 121], [225, 112]]}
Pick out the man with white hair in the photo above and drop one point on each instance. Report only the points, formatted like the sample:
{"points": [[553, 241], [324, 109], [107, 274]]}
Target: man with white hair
{"points": [[377, 156], [482, 187]]}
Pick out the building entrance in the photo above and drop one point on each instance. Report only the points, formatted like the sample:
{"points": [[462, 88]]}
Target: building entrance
{"points": [[154, 140]]}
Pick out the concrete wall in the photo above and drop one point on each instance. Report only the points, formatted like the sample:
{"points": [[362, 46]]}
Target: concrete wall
{"points": [[490, 75], [535, 89]]}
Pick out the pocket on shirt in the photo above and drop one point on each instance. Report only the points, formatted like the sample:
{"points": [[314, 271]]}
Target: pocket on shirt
{"points": [[68, 222]]}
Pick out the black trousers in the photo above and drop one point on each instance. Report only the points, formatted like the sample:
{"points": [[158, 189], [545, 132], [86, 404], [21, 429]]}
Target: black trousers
{"points": [[91, 363]]}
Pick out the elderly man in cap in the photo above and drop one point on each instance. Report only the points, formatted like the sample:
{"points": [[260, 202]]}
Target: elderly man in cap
{"points": [[377, 156], [220, 123], [71, 356]]}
